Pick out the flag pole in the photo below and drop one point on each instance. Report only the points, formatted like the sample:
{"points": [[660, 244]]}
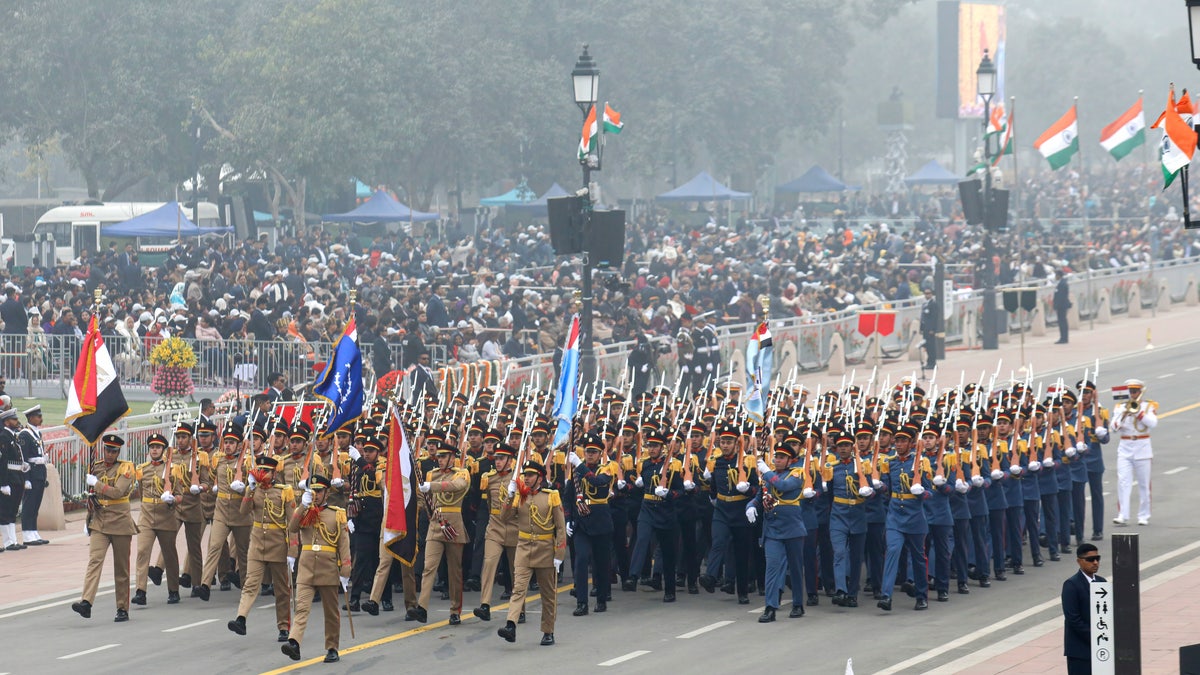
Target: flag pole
{"points": [[1012, 130], [1087, 230]]}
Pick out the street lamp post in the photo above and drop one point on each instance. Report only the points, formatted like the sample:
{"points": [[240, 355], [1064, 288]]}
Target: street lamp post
{"points": [[585, 80], [986, 88]]}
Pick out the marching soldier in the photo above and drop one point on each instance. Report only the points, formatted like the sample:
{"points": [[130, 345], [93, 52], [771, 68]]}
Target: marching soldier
{"points": [[1131, 423], [783, 527], [542, 544], [33, 451], [323, 564], [110, 526], [365, 494], [660, 479], [12, 478], [448, 486], [195, 467], [157, 521], [1094, 420], [732, 536], [292, 469], [228, 517], [938, 512], [500, 537], [905, 479], [270, 505], [591, 524], [848, 518]]}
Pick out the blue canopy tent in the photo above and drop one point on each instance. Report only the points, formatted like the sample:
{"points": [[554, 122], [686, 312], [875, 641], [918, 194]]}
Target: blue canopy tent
{"points": [[518, 195], [702, 188], [380, 208], [167, 220], [932, 174], [816, 179], [537, 208]]}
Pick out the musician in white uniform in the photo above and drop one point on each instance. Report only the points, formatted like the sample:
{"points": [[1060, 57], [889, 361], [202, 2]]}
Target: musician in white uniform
{"points": [[1131, 424]]}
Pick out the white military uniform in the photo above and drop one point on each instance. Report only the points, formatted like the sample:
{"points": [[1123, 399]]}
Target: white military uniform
{"points": [[1134, 455]]}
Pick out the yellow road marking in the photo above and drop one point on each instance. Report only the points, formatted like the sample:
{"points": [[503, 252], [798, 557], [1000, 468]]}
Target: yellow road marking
{"points": [[1180, 410], [405, 634]]}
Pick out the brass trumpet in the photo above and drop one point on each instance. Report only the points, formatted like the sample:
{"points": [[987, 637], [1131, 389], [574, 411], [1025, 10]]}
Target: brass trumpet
{"points": [[1134, 403]]}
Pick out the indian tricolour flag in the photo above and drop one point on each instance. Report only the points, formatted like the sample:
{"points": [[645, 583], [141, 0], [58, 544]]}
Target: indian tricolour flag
{"points": [[1126, 133], [1178, 140], [591, 132], [1061, 141]]}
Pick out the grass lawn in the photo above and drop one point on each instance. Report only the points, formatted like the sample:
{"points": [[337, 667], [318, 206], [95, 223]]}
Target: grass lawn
{"points": [[54, 409]]}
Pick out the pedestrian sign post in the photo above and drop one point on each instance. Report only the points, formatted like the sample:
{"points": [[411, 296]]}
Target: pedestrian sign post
{"points": [[1101, 606]]}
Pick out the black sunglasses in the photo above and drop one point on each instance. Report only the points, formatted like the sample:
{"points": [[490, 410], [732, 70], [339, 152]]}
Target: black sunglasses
{"points": [[1091, 558]]}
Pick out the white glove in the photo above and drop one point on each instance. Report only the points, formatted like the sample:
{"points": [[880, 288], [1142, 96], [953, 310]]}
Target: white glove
{"points": [[1070, 451], [303, 485], [661, 492], [195, 489], [251, 481], [354, 453], [1081, 446], [707, 474], [350, 526], [621, 483], [570, 530], [712, 500], [743, 487], [38, 460], [307, 499], [808, 493], [917, 489], [291, 562], [557, 566], [645, 367], [939, 480], [574, 459], [997, 474], [977, 481], [866, 491], [92, 480], [1035, 465], [1049, 463], [1102, 432], [1015, 469], [708, 367], [237, 486], [345, 583], [762, 466], [512, 487], [424, 487], [168, 498], [877, 484], [337, 482], [962, 487], [5, 490], [689, 485], [751, 514], [639, 482], [28, 485]]}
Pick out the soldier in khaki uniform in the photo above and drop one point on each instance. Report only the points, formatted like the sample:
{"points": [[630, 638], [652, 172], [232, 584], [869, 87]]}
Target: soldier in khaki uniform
{"points": [[111, 526], [291, 465], [323, 564], [542, 544], [229, 517], [448, 486], [500, 538], [158, 521], [195, 467], [270, 505]]}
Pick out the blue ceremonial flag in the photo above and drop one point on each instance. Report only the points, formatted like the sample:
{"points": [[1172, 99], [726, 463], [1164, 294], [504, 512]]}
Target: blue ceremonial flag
{"points": [[759, 359], [567, 400], [341, 382]]}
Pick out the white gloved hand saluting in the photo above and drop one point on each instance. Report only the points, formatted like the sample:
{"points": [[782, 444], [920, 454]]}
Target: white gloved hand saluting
{"points": [[168, 498], [354, 453], [762, 466], [307, 498], [574, 459], [92, 480], [237, 486], [195, 489], [917, 489], [661, 492], [743, 487], [751, 514]]}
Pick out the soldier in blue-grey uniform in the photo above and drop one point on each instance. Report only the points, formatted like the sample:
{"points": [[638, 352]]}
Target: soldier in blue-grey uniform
{"points": [[660, 479], [937, 510], [1095, 419], [906, 482], [732, 536], [847, 518], [779, 501]]}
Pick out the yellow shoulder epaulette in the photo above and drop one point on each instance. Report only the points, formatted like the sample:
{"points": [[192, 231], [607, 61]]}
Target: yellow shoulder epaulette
{"points": [[555, 499]]}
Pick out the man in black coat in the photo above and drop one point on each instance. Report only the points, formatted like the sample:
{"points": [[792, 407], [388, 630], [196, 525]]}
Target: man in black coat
{"points": [[929, 328], [1062, 303], [1076, 600]]}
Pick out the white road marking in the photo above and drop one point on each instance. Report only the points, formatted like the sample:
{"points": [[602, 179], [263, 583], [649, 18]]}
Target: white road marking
{"points": [[1174, 471], [1166, 375], [702, 631], [622, 659], [1192, 369], [270, 605], [756, 611], [88, 651], [190, 625], [60, 603]]}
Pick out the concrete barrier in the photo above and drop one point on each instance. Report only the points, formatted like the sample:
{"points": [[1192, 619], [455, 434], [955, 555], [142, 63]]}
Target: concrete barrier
{"points": [[1037, 324], [1135, 301], [51, 516], [1073, 314], [1104, 307], [837, 355], [1164, 295], [914, 340]]}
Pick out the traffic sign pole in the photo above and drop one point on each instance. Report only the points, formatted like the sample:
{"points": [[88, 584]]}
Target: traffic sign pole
{"points": [[1126, 605]]}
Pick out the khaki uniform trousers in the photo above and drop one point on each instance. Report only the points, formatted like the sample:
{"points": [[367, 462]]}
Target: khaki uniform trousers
{"points": [[547, 579], [329, 604], [193, 563], [252, 584], [168, 556], [492, 551], [218, 550], [433, 557], [384, 570], [98, 546]]}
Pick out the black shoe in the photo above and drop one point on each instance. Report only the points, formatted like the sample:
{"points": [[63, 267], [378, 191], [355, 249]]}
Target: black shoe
{"points": [[984, 583], [234, 578], [238, 625], [440, 587], [851, 601], [201, 592], [267, 589], [521, 618], [768, 615], [353, 605], [370, 607], [185, 580], [909, 589], [445, 595], [139, 598], [962, 589], [331, 656], [82, 608], [1018, 570], [172, 597], [922, 604], [282, 637], [547, 639], [156, 575], [13, 547], [669, 596], [708, 583], [839, 599], [471, 584], [693, 589], [1038, 562], [797, 612], [387, 606], [419, 614], [813, 600], [506, 594], [484, 612], [292, 649], [508, 632], [581, 609], [122, 616], [654, 584], [727, 588], [1097, 537], [1000, 576], [629, 585], [225, 586], [885, 604], [943, 596], [743, 599], [1054, 557], [455, 620], [601, 607]]}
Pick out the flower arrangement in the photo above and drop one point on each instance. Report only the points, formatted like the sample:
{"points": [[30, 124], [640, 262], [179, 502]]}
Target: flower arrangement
{"points": [[174, 353], [172, 381]]}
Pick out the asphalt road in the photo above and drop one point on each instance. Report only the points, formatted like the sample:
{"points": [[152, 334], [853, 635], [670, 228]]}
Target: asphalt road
{"points": [[639, 633]]}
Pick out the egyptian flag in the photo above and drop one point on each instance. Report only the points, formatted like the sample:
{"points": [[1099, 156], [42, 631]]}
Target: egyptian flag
{"points": [[399, 496], [95, 401], [758, 371]]}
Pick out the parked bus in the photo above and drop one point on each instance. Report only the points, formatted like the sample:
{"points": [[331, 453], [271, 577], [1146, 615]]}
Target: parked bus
{"points": [[76, 228]]}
